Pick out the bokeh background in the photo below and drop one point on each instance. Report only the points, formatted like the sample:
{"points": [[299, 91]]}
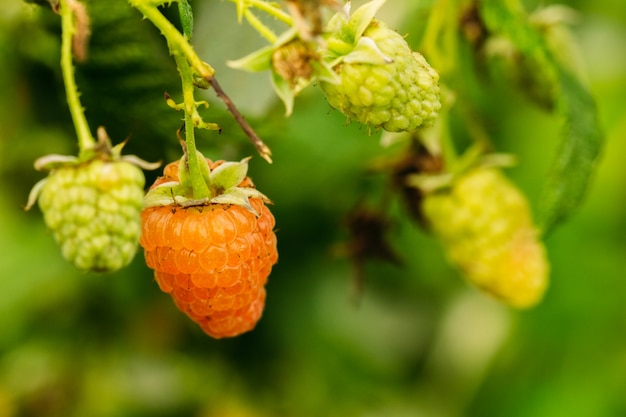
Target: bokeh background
{"points": [[417, 341]]}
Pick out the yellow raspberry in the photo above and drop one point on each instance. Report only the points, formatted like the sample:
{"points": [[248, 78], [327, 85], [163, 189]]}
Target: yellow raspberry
{"points": [[485, 225]]}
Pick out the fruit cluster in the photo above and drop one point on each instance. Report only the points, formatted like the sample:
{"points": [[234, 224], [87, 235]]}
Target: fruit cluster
{"points": [[365, 69], [205, 229]]}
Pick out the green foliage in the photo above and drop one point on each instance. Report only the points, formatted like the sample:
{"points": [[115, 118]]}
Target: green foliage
{"points": [[186, 17], [577, 155], [582, 139]]}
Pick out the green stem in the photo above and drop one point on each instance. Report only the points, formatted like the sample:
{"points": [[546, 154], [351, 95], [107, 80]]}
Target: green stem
{"points": [[260, 27], [199, 186], [83, 133], [187, 59], [439, 42], [448, 148], [176, 41], [272, 10]]}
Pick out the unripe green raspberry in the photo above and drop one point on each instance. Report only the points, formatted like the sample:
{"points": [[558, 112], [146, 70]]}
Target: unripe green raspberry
{"points": [[399, 93], [485, 225], [94, 210]]}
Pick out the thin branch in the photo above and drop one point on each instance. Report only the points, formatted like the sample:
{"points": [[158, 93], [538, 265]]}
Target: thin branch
{"points": [[69, 10], [261, 147]]}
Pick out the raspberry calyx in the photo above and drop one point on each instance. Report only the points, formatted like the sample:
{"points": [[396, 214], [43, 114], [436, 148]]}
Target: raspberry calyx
{"points": [[223, 183]]}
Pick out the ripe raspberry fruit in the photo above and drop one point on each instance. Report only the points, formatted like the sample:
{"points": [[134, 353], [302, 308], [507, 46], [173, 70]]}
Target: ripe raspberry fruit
{"points": [[485, 225], [93, 206], [381, 82], [213, 258]]}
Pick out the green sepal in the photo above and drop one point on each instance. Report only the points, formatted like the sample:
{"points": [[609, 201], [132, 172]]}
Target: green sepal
{"points": [[101, 150], [284, 91], [240, 196], [143, 164], [367, 51], [430, 183], [33, 196], [187, 180], [261, 59], [324, 72], [472, 159], [235, 196], [346, 31], [184, 178], [336, 21], [165, 194], [257, 61], [360, 20], [222, 182], [204, 168], [228, 175], [54, 161]]}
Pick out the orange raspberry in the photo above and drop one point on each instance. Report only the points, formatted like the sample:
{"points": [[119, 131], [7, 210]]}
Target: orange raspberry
{"points": [[212, 258]]}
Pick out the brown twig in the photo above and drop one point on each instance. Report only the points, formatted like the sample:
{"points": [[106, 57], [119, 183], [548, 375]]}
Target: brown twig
{"points": [[261, 147], [82, 31]]}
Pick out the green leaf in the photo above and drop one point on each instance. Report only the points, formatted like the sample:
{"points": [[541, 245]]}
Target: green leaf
{"points": [[507, 18], [581, 143], [577, 154], [186, 17]]}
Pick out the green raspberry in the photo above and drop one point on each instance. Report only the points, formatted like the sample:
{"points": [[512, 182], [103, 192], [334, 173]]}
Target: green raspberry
{"points": [[398, 92], [485, 226], [94, 210]]}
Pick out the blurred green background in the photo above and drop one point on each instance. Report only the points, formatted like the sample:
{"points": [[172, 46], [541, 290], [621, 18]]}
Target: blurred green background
{"points": [[420, 342]]}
